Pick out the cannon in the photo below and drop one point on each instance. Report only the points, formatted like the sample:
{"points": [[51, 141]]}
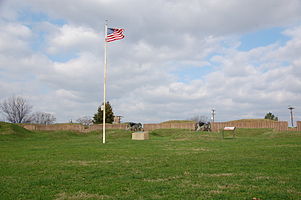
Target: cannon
{"points": [[203, 126], [131, 126]]}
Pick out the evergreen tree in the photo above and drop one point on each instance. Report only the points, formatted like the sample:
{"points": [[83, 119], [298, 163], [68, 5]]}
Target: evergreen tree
{"points": [[98, 117], [271, 116]]}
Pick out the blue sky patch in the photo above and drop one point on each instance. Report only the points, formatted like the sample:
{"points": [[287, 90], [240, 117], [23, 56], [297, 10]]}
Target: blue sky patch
{"points": [[62, 57], [188, 74], [25, 15], [262, 38]]}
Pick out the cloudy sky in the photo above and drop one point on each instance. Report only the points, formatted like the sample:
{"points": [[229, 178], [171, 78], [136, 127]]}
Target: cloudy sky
{"points": [[179, 58]]}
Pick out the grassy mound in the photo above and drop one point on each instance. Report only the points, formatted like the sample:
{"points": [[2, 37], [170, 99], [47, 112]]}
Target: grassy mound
{"points": [[252, 120], [176, 121], [8, 128]]}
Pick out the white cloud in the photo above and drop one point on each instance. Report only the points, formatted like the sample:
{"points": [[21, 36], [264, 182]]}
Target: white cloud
{"points": [[13, 38], [165, 37], [69, 38]]}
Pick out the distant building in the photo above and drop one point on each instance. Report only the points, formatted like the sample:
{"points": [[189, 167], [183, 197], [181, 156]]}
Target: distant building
{"points": [[117, 119]]}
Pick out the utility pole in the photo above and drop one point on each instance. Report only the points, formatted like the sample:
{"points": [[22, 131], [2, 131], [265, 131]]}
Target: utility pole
{"points": [[213, 114], [291, 111]]}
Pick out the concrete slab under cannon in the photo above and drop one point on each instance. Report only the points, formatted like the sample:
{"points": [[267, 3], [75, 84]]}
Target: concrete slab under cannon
{"points": [[141, 135]]}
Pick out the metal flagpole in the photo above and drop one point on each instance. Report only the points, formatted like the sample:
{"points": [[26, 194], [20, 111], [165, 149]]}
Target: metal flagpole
{"points": [[104, 86]]}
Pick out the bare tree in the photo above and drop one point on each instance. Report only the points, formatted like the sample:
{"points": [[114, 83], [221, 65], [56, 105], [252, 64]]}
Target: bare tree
{"points": [[85, 120], [42, 118], [16, 109]]}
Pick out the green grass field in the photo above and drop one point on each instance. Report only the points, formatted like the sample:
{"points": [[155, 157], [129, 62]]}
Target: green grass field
{"points": [[173, 164]]}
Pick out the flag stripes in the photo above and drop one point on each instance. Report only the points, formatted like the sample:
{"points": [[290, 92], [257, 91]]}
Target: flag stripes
{"points": [[114, 34]]}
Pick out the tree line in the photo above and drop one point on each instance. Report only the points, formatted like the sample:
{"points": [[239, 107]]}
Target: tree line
{"points": [[98, 117], [16, 109]]}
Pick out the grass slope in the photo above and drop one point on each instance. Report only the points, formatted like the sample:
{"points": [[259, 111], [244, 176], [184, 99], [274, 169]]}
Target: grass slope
{"points": [[177, 121], [173, 164], [8, 128], [253, 120]]}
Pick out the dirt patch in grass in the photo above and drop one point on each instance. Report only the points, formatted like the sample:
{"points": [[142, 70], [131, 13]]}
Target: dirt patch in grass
{"points": [[286, 145], [180, 139], [162, 179], [215, 192], [293, 191], [156, 196], [199, 149], [219, 175], [263, 178], [229, 186], [86, 162], [187, 149], [80, 196]]}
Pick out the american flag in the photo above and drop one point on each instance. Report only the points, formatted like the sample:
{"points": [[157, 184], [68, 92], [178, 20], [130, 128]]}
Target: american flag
{"points": [[114, 34]]}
